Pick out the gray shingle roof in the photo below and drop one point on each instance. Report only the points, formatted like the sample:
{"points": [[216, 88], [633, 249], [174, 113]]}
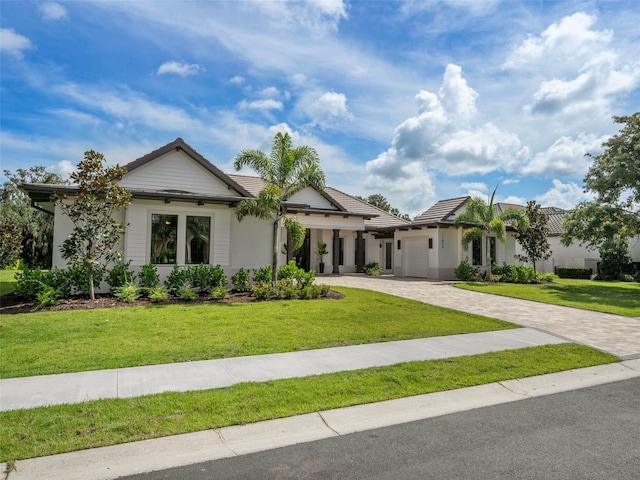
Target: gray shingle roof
{"points": [[442, 210], [352, 204]]}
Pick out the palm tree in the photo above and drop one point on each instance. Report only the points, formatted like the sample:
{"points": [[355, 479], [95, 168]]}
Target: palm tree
{"points": [[486, 223], [286, 171]]}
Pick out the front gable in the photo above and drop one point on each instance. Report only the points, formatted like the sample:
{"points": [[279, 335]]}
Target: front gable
{"points": [[178, 168], [310, 196]]}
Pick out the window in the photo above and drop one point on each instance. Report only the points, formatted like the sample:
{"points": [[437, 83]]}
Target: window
{"points": [[399, 244], [363, 249], [477, 251], [164, 233], [430, 242], [341, 262], [198, 240]]}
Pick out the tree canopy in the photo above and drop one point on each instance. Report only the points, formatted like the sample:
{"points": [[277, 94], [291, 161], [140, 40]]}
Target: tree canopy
{"points": [[608, 222], [95, 232], [285, 171], [32, 230], [533, 239], [380, 201]]}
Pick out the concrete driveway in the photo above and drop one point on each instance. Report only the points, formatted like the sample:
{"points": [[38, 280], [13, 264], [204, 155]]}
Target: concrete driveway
{"points": [[614, 334]]}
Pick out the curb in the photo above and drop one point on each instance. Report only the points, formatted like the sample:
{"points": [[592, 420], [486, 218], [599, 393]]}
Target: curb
{"points": [[108, 463]]}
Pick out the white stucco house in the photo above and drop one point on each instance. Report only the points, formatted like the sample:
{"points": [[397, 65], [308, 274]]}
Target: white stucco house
{"points": [[183, 212]]}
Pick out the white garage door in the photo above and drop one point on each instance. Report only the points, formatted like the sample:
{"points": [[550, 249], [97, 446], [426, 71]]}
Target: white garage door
{"points": [[416, 256]]}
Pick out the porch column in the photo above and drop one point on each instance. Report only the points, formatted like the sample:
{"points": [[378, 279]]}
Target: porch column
{"points": [[336, 250], [289, 251], [359, 252]]}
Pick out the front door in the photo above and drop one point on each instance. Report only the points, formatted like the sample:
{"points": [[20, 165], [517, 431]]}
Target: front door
{"points": [[303, 255], [388, 256]]}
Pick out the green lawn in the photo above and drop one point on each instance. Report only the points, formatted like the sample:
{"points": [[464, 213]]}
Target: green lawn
{"points": [[7, 282], [42, 343], [621, 298], [63, 428]]}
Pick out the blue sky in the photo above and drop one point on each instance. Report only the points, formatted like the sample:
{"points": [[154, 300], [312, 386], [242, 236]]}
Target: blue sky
{"points": [[417, 100]]}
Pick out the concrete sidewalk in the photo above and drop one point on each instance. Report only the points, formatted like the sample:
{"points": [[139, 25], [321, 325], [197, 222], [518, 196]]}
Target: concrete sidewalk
{"points": [[38, 391], [613, 334], [107, 463]]}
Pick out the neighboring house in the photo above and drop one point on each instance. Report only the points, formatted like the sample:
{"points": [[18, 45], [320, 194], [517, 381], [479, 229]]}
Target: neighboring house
{"points": [[431, 247], [183, 212], [575, 255]]}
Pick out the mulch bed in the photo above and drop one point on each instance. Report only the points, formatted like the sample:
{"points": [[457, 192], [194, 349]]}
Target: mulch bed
{"points": [[11, 304]]}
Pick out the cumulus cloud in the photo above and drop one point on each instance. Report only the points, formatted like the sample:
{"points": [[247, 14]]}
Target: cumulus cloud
{"points": [[327, 109], [64, 168], [474, 186], [443, 136], [566, 156], [563, 195], [52, 11], [237, 80], [12, 43], [564, 45], [181, 69]]}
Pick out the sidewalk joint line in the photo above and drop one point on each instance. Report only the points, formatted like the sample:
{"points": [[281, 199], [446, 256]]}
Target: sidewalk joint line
{"points": [[514, 392], [327, 425]]}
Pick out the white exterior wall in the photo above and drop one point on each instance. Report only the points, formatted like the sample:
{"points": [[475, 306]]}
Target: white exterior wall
{"points": [[175, 171], [251, 245], [309, 196]]}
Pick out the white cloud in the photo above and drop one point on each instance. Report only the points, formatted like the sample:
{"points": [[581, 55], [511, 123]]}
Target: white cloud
{"points": [[12, 43], [564, 46], [181, 69], [52, 11], [327, 109], [566, 157], [317, 17], [515, 200], [563, 195], [264, 105], [237, 80], [443, 136], [474, 185], [510, 181], [64, 168]]}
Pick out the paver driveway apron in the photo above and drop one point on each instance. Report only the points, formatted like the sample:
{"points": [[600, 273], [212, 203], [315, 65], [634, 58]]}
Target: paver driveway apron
{"points": [[614, 334]]}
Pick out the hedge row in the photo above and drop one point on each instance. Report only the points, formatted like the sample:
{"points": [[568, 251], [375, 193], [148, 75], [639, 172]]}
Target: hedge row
{"points": [[582, 273]]}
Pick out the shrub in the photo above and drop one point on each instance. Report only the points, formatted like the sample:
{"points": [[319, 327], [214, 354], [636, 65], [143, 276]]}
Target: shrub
{"points": [[294, 276], [48, 297], [61, 281], [545, 277], [80, 279], [148, 276], [240, 281], [175, 280], [372, 268], [467, 273], [187, 292], [218, 293], [205, 277], [158, 294], [127, 293], [261, 291], [577, 273], [120, 275], [262, 275], [30, 282]]}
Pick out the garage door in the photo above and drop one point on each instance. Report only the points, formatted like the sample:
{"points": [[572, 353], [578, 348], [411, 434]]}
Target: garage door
{"points": [[416, 257]]}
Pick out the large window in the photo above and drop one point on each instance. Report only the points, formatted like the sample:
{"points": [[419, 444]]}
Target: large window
{"points": [[492, 249], [341, 251], [476, 248], [197, 240], [164, 233]]}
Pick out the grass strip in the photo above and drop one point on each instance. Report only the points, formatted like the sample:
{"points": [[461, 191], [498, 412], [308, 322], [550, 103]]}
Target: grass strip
{"points": [[620, 298], [7, 282], [64, 428], [45, 343]]}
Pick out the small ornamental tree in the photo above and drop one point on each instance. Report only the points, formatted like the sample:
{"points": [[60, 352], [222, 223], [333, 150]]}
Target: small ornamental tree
{"points": [[96, 233], [533, 239]]}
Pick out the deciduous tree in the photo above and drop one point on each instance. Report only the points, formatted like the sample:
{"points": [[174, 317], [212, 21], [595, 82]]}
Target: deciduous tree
{"points": [[534, 239], [92, 243]]}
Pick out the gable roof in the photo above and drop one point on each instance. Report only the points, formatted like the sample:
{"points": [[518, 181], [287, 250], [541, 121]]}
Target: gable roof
{"points": [[180, 144], [441, 211]]}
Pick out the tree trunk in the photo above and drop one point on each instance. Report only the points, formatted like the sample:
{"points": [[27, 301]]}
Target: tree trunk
{"points": [[92, 293], [488, 260], [274, 259]]}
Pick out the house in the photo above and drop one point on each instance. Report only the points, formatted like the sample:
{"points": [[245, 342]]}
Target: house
{"points": [[575, 255], [183, 212], [431, 246]]}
